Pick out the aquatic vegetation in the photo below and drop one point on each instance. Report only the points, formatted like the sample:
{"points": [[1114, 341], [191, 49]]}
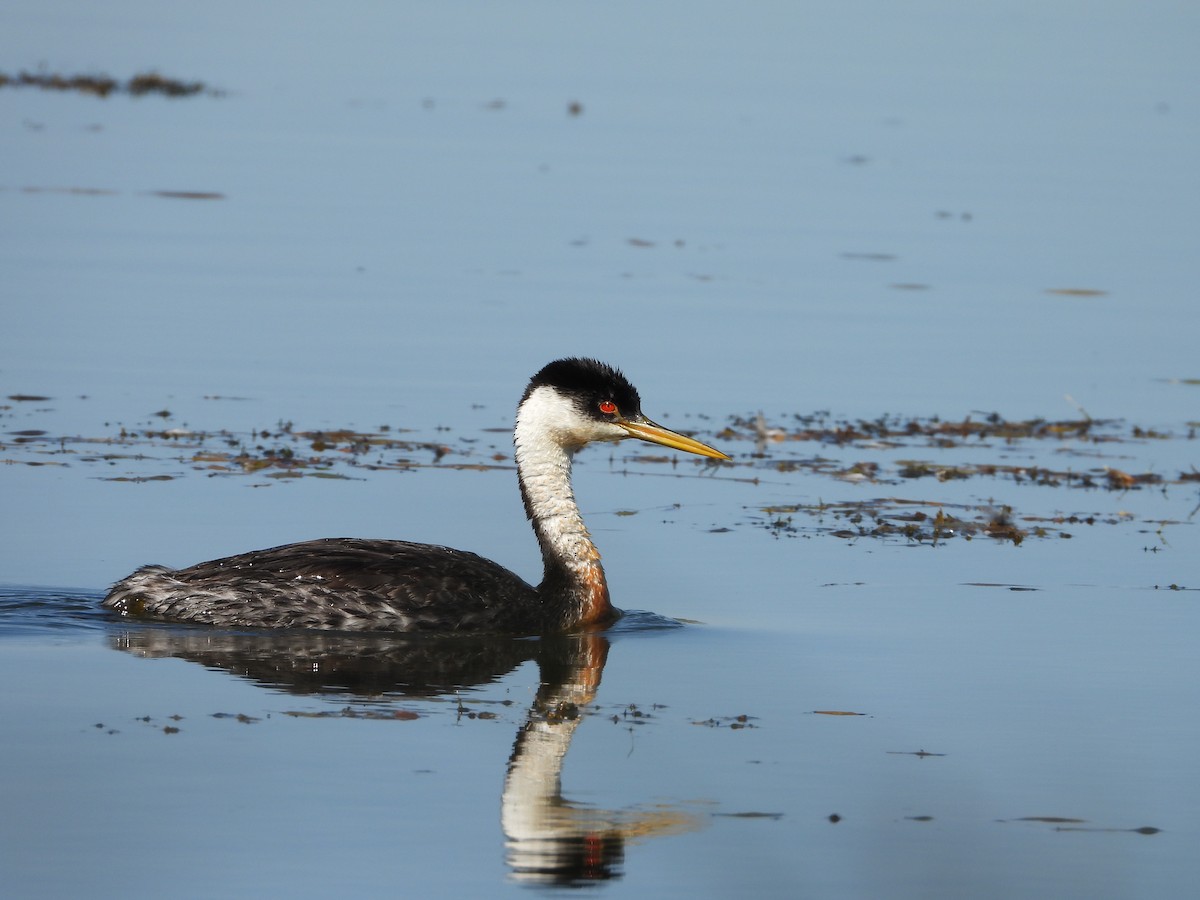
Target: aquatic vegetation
{"points": [[103, 86], [929, 480]]}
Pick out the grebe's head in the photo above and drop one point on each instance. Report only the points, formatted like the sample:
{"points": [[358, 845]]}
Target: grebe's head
{"points": [[573, 402]]}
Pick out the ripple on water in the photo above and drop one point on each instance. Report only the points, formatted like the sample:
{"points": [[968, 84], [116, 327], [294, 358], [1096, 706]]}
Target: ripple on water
{"points": [[41, 610], [638, 621]]}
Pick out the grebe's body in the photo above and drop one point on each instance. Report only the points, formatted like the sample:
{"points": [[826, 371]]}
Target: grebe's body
{"points": [[381, 585]]}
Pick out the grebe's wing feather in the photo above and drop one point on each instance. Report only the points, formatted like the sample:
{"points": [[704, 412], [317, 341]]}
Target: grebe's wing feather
{"points": [[338, 583]]}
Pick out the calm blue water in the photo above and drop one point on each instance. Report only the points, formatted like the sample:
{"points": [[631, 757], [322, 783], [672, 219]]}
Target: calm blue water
{"points": [[860, 209]]}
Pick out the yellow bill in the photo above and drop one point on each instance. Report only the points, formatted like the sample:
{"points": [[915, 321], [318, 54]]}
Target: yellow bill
{"points": [[643, 428]]}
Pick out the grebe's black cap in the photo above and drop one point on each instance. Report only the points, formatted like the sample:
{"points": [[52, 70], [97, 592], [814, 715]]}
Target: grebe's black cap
{"points": [[587, 381]]}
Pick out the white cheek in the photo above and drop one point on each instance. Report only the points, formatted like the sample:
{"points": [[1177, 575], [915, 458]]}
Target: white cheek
{"points": [[552, 417]]}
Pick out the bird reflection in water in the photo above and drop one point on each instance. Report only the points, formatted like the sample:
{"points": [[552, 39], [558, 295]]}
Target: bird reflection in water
{"points": [[548, 839]]}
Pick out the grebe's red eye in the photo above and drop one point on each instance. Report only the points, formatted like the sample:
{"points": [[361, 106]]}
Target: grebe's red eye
{"points": [[608, 407]]}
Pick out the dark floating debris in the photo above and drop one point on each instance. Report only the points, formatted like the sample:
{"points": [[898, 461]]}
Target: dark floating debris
{"points": [[1076, 292], [1065, 823], [933, 521], [835, 712], [188, 195], [1050, 820], [140, 479], [900, 430], [895, 517], [238, 717], [993, 584], [870, 257], [349, 712], [732, 722], [876, 466], [104, 192], [103, 86], [153, 83]]}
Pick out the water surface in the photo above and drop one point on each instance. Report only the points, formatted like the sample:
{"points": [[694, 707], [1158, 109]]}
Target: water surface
{"points": [[915, 659]]}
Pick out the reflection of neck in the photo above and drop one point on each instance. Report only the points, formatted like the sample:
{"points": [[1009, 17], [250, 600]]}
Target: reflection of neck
{"points": [[530, 808], [548, 839]]}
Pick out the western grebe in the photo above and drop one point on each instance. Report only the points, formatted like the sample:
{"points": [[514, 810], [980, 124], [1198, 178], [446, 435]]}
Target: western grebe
{"points": [[381, 585]]}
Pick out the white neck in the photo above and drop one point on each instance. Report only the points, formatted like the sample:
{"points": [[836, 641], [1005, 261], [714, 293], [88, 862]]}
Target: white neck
{"points": [[545, 438]]}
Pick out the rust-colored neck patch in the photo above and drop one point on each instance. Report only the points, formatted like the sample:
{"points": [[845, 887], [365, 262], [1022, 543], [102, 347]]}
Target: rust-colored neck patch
{"points": [[595, 607]]}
